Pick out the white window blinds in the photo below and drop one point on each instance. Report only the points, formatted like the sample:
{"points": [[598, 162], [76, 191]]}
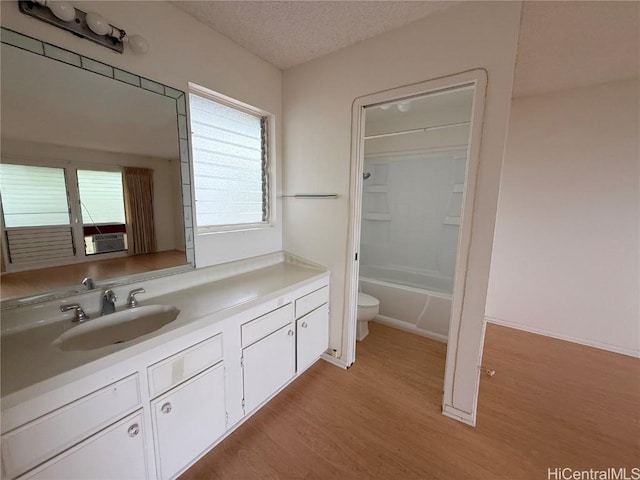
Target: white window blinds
{"points": [[33, 196], [229, 163], [101, 197]]}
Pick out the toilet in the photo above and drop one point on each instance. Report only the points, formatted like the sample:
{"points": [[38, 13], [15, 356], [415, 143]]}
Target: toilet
{"points": [[367, 310]]}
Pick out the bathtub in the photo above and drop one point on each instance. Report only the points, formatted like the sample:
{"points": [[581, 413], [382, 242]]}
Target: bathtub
{"points": [[410, 301]]}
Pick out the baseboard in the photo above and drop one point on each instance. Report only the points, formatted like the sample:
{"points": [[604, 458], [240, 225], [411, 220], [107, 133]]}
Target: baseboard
{"points": [[408, 327], [567, 338]]}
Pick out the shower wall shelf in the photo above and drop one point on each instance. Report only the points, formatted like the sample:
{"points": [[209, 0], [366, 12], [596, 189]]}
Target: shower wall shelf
{"points": [[458, 188], [451, 220]]}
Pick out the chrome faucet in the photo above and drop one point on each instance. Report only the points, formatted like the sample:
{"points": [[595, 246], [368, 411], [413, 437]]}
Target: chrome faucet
{"points": [[89, 283], [108, 302], [80, 316]]}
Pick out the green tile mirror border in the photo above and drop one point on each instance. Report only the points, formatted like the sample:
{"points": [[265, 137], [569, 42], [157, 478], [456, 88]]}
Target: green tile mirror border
{"points": [[38, 47]]}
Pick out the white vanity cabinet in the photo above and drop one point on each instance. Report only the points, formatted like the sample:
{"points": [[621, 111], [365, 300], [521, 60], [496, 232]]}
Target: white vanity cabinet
{"points": [[118, 452], [154, 409], [187, 420], [268, 355]]}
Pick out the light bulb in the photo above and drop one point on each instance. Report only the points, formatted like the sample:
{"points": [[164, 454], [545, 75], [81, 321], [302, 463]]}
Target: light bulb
{"points": [[138, 44], [404, 107], [97, 24], [63, 10]]}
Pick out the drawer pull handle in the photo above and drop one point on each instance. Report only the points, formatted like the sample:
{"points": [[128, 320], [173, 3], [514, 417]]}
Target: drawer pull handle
{"points": [[290, 333], [304, 325], [134, 430], [166, 408]]}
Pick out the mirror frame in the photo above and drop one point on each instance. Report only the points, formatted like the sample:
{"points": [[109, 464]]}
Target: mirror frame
{"points": [[53, 52]]}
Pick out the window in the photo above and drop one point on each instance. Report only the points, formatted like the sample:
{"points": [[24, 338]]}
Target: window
{"points": [[33, 196], [230, 164], [101, 197], [102, 207]]}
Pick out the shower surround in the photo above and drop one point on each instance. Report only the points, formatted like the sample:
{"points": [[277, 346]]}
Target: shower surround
{"points": [[411, 212]]}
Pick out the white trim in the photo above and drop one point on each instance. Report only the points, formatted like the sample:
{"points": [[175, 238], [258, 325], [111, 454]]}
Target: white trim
{"points": [[226, 100], [270, 118], [567, 338], [464, 417], [476, 79], [409, 327], [335, 361], [460, 311]]}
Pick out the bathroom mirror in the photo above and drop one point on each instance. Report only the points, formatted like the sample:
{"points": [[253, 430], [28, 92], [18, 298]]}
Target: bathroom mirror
{"points": [[95, 176]]}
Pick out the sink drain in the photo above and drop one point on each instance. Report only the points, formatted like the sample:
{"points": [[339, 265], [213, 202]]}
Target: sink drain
{"points": [[119, 341]]}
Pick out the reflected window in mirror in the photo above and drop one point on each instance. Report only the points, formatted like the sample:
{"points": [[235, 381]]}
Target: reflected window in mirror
{"points": [[103, 211], [42, 225], [230, 163]]}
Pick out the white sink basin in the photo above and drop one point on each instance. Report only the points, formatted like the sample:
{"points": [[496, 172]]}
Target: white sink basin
{"points": [[117, 327]]}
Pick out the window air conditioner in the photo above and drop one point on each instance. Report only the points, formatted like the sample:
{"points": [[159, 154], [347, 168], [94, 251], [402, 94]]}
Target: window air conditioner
{"points": [[108, 242]]}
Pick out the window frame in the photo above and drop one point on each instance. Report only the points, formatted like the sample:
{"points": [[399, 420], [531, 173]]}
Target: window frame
{"points": [[268, 172]]}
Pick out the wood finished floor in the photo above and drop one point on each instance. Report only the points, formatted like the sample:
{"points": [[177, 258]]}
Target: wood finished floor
{"points": [[34, 282], [551, 403]]}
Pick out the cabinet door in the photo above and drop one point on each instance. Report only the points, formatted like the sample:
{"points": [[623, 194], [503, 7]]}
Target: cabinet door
{"points": [[313, 336], [117, 453], [188, 419], [268, 365]]}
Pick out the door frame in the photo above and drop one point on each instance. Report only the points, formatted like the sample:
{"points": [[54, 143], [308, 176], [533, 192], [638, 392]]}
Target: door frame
{"points": [[457, 370]]}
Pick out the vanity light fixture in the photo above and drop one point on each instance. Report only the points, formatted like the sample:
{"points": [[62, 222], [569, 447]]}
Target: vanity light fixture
{"points": [[90, 25]]}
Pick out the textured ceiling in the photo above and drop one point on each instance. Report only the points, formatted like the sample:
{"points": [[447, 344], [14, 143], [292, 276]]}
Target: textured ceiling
{"points": [[574, 44], [287, 33]]}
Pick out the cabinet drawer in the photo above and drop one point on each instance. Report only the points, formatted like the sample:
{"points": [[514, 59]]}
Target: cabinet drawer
{"points": [[266, 324], [311, 301], [45, 437], [184, 365], [117, 452]]}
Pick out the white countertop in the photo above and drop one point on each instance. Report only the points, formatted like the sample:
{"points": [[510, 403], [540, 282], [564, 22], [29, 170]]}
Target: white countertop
{"points": [[31, 364]]}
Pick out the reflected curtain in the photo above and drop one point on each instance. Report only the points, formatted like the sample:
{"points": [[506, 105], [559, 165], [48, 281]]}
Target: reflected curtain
{"points": [[138, 201]]}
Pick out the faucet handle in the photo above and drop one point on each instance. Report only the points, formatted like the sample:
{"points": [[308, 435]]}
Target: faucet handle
{"points": [[89, 283], [80, 316], [131, 299]]}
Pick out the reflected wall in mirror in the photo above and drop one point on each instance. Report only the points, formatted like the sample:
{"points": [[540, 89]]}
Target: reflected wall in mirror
{"points": [[94, 179]]}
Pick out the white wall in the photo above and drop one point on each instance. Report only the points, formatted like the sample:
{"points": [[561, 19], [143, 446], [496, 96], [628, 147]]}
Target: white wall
{"points": [[317, 105], [182, 50], [168, 219], [566, 258]]}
